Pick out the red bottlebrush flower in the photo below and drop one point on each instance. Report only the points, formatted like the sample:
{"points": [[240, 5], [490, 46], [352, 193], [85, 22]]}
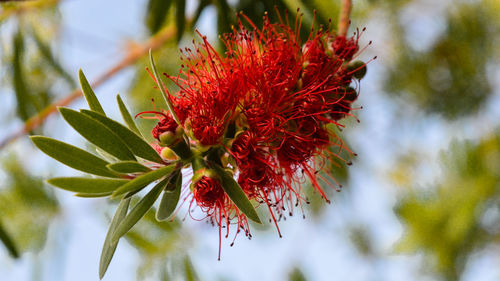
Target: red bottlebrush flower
{"points": [[278, 95], [213, 201], [208, 193], [256, 170], [166, 124], [208, 90], [345, 48]]}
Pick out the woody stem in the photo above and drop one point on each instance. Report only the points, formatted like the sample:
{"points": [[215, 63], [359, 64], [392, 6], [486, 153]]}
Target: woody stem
{"points": [[344, 20]]}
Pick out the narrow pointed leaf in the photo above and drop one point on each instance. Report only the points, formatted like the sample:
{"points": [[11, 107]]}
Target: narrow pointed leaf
{"points": [[170, 198], [157, 13], [223, 16], [88, 185], [135, 143], [73, 156], [128, 167], [139, 210], [46, 53], [96, 133], [89, 94], [109, 247], [127, 117], [8, 242], [93, 195], [189, 272], [143, 180], [165, 95], [236, 194], [180, 17], [201, 7], [23, 97]]}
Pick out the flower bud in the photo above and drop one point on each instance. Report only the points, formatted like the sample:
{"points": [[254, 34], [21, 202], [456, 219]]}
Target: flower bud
{"points": [[357, 68], [168, 154]]}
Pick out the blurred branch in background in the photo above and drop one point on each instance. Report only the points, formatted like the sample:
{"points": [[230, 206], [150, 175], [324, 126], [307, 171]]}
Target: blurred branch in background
{"points": [[133, 55], [344, 19]]}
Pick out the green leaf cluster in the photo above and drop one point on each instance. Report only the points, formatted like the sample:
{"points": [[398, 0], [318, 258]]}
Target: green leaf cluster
{"points": [[132, 165]]}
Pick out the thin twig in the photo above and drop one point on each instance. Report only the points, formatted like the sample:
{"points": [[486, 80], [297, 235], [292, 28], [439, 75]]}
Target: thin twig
{"points": [[344, 20], [134, 55]]}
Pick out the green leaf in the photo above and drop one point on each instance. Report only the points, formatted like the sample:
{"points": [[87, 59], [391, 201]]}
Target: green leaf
{"points": [[139, 210], [165, 95], [89, 94], [223, 16], [96, 133], [234, 191], [72, 156], [201, 7], [93, 195], [127, 117], [51, 61], [128, 167], [143, 180], [87, 185], [23, 96], [180, 17], [189, 272], [157, 14], [170, 198], [109, 247], [8, 242], [135, 143]]}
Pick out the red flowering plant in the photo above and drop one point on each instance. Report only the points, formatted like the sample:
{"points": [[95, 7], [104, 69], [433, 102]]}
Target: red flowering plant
{"points": [[251, 124]]}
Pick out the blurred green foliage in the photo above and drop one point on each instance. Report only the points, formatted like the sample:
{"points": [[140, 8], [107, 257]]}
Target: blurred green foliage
{"points": [[447, 222], [27, 206], [297, 275], [451, 76], [158, 242]]}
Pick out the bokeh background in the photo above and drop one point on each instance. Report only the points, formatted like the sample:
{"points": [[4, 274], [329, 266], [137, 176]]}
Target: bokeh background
{"points": [[420, 202]]}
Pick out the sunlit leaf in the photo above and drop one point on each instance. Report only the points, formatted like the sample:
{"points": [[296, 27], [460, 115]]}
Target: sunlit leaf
{"points": [[93, 195], [97, 133], [72, 156], [135, 143], [109, 247], [89, 94], [143, 180], [234, 191], [139, 210], [128, 167], [165, 95], [87, 185], [126, 116]]}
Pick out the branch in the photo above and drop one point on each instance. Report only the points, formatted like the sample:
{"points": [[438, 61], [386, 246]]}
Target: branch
{"points": [[133, 56], [344, 21]]}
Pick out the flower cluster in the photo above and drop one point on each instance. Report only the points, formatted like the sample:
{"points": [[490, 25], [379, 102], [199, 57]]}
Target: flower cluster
{"points": [[261, 111]]}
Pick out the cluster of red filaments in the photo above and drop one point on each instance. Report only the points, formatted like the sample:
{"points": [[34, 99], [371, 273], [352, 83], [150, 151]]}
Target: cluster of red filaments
{"points": [[267, 111]]}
